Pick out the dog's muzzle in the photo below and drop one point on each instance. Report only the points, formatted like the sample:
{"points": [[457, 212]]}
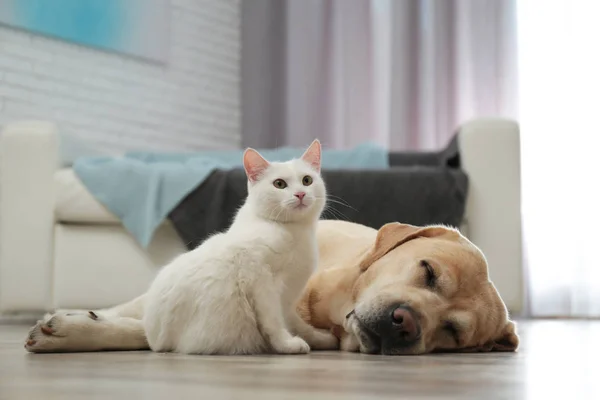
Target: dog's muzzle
{"points": [[396, 330]]}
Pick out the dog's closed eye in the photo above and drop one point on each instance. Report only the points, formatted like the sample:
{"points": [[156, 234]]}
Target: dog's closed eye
{"points": [[430, 277]]}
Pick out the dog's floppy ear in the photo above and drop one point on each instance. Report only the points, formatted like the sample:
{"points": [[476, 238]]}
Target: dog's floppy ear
{"points": [[508, 340], [393, 235]]}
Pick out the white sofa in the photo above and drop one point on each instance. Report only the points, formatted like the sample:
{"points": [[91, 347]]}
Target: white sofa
{"points": [[60, 248]]}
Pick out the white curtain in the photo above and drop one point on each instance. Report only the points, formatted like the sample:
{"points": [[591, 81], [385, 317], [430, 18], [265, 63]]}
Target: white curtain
{"points": [[404, 73], [559, 68]]}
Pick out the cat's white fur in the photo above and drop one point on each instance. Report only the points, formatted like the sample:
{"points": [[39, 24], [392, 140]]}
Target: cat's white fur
{"points": [[236, 293]]}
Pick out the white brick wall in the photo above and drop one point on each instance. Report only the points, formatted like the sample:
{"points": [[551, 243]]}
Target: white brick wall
{"points": [[121, 103]]}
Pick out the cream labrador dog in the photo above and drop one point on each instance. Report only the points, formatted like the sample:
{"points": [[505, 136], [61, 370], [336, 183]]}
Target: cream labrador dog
{"points": [[400, 290], [405, 290]]}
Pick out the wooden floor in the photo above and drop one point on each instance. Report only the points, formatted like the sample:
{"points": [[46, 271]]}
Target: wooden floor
{"points": [[558, 359]]}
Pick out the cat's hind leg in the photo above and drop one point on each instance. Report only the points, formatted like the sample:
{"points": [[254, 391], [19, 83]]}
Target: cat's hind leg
{"points": [[74, 332], [117, 328], [131, 309]]}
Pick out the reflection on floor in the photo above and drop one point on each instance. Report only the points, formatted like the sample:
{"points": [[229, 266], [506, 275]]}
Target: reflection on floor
{"points": [[557, 359]]}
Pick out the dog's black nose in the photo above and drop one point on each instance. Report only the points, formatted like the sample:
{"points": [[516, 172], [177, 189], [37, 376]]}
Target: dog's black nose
{"points": [[405, 324], [399, 328]]}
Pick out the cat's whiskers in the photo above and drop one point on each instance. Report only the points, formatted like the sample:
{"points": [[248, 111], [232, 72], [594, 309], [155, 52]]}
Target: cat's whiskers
{"points": [[274, 210], [271, 212], [341, 202], [337, 214], [289, 202], [281, 209]]}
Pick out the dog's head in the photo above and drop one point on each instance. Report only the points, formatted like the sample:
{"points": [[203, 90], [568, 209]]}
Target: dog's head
{"points": [[427, 289]]}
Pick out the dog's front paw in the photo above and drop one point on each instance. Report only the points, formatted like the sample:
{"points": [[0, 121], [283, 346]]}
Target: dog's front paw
{"points": [[355, 339], [293, 345], [323, 340], [349, 343]]}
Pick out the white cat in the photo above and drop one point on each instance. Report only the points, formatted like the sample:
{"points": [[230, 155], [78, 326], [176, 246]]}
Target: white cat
{"points": [[236, 293]]}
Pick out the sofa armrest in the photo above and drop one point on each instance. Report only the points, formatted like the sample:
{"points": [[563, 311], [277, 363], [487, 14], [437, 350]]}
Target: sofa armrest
{"points": [[28, 159], [490, 154]]}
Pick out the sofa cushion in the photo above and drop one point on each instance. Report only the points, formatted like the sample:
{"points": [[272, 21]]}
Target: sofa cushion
{"points": [[75, 204]]}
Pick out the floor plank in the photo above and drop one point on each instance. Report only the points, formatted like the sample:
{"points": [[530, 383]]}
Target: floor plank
{"points": [[557, 360]]}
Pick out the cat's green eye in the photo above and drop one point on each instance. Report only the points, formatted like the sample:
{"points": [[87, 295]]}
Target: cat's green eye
{"points": [[279, 184], [307, 180]]}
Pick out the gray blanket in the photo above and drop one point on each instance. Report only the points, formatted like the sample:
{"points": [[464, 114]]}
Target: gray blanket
{"points": [[418, 188]]}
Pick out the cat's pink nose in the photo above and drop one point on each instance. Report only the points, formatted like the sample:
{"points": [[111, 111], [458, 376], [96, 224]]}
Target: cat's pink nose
{"points": [[300, 195]]}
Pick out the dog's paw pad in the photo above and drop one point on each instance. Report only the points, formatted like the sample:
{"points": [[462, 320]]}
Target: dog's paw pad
{"points": [[323, 340]]}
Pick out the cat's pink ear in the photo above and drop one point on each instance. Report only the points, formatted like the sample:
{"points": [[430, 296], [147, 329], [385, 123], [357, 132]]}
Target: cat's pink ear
{"points": [[312, 155], [254, 164]]}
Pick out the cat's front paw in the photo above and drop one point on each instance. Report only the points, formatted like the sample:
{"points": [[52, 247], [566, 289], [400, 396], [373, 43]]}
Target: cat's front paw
{"points": [[293, 345]]}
